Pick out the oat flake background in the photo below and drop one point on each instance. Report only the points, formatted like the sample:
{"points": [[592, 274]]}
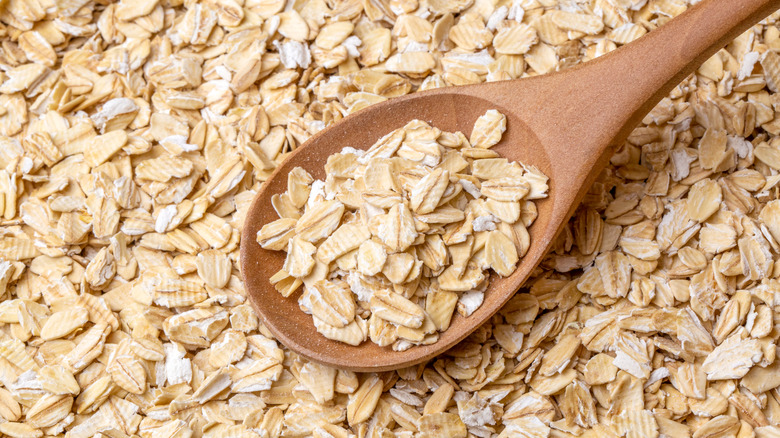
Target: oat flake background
{"points": [[133, 136]]}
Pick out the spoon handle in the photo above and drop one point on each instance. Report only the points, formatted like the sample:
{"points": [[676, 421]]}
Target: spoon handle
{"points": [[582, 114], [635, 78]]}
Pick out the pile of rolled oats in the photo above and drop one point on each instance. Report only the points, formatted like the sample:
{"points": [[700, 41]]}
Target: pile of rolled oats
{"points": [[133, 136], [404, 233]]}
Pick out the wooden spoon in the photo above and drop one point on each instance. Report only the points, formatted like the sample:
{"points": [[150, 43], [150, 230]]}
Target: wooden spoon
{"points": [[568, 124]]}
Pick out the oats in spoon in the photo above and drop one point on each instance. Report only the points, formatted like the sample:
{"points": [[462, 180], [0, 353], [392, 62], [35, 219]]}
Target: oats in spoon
{"points": [[399, 237]]}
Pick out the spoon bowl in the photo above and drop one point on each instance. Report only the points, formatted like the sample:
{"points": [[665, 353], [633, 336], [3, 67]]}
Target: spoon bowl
{"points": [[444, 110], [567, 124]]}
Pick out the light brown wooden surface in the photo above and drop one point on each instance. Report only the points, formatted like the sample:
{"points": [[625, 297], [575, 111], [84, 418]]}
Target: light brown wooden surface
{"points": [[567, 124]]}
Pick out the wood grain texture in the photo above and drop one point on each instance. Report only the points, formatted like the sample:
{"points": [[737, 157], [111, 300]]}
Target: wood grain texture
{"points": [[567, 124]]}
